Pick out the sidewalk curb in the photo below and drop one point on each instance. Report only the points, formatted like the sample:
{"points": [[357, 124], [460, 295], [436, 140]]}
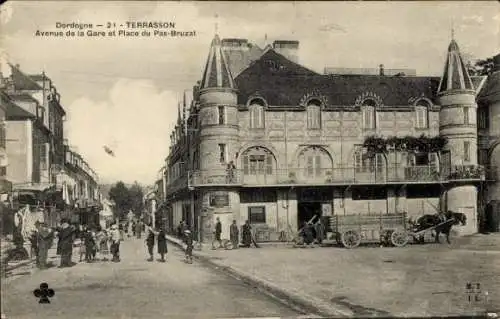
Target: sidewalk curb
{"points": [[292, 300]]}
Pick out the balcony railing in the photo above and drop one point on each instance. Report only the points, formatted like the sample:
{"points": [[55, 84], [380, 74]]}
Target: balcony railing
{"points": [[346, 175]]}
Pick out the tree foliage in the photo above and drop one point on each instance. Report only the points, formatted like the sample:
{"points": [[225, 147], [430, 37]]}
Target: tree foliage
{"points": [[480, 67], [127, 198]]}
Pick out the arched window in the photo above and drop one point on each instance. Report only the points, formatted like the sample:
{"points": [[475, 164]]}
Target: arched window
{"points": [[368, 109], [422, 114], [368, 163], [315, 161], [257, 114], [258, 161], [314, 114]]}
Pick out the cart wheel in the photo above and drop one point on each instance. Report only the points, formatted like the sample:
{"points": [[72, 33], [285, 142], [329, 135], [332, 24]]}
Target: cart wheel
{"points": [[351, 239], [399, 238]]}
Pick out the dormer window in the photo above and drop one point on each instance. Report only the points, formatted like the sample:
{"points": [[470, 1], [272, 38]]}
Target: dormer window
{"points": [[369, 115], [422, 114], [314, 115], [257, 113]]}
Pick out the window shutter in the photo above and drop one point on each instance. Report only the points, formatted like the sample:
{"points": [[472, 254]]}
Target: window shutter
{"points": [[357, 161], [246, 164], [466, 115], [379, 162], [252, 117], [269, 164], [261, 117], [317, 164], [310, 167]]}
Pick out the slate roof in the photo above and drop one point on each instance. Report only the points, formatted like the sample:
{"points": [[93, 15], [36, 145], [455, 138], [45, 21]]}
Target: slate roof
{"points": [[455, 75], [217, 73], [282, 82], [15, 112], [23, 81], [239, 59], [491, 88]]}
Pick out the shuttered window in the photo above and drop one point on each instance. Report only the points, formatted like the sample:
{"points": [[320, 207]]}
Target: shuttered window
{"points": [[369, 117], [313, 165], [256, 116], [43, 156], [421, 117], [313, 117], [466, 115]]}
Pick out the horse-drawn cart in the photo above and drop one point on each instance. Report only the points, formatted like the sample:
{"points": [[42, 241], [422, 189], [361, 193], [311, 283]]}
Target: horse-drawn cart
{"points": [[351, 230]]}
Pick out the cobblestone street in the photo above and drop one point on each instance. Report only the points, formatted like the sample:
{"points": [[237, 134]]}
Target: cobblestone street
{"points": [[428, 280], [135, 288]]}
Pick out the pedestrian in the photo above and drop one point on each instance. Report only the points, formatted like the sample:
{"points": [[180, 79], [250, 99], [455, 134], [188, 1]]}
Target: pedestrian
{"points": [[162, 243], [102, 242], [115, 242], [320, 231], [234, 234], [217, 232], [45, 240], [66, 236], [150, 241], [89, 244], [188, 240], [138, 229], [247, 234], [307, 234], [230, 172], [33, 239]]}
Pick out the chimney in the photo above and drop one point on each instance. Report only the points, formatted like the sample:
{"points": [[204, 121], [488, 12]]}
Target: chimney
{"points": [[235, 44], [496, 63], [381, 68], [288, 49]]}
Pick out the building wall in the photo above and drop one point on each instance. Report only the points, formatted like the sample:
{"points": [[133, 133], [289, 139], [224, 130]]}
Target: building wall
{"points": [[341, 132], [19, 151]]}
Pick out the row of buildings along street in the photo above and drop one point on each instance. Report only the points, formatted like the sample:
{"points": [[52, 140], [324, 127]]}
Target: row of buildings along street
{"points": [[266, 140], [39, 169]]}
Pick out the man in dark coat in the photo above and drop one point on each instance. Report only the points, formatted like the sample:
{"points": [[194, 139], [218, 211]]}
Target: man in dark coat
{"points": [[218, 232], [234, 234], [307, 232], [45, 239], [247, 234], [319, 229], [65, 243], [162, 244], [150, 242]]}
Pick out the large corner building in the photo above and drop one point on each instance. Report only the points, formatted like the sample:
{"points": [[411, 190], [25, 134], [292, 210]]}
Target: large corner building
{"points": [[270, 141]]}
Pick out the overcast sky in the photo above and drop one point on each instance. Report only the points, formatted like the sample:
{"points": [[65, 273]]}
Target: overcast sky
{"points": [[124, 92]]}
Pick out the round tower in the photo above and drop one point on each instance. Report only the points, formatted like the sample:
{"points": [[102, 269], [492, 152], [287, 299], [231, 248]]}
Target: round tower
{"points": [[457, 122], [219, 142]]}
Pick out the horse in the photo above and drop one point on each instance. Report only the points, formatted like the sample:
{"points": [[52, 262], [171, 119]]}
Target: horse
{"points": [[452, 218]]}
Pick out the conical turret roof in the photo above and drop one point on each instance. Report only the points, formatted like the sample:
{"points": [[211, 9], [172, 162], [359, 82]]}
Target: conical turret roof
{"points": [[455, 76], [217, 73]]}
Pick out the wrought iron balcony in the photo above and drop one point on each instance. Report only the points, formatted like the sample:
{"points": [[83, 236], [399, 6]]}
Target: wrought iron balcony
{"points": [[338, 176]]}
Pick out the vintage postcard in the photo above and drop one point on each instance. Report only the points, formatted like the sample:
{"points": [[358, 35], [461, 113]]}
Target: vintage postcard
{"points": [[164, 159]]}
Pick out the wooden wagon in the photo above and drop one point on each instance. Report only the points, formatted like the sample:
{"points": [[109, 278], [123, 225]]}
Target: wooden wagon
{"points": [[351, 230]]}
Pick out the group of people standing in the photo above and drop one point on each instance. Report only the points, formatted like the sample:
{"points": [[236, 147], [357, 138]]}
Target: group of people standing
{"points": [[234, 235], [96, 240], [93, 240]]}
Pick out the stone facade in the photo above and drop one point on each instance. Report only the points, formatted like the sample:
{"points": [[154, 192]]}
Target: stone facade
{"points": [[278, 144]]}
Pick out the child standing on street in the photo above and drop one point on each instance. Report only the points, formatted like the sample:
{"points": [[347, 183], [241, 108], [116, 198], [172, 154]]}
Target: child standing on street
{"points": [[188, 239]]}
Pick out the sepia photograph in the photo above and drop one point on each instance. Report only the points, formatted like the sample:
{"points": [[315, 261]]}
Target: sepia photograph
{"points": [[249, 159]]}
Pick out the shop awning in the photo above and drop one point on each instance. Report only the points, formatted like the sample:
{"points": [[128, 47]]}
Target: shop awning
{"points": [[33, 187]]}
